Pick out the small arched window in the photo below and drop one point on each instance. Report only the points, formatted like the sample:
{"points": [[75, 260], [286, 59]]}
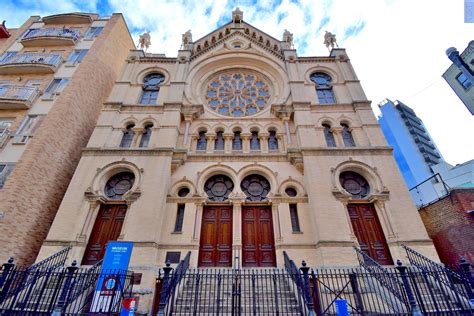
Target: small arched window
{"points": [[347, 136], [151, 88], [254, 141], [219, 143], [329, 136], [127, 137], [146, 136], [201, 142], [323, 84], [237, 141], [272, 141]]}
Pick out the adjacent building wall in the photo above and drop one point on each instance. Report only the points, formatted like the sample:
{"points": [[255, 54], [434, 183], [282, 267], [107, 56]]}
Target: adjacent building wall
{"points": [[31, 196]]}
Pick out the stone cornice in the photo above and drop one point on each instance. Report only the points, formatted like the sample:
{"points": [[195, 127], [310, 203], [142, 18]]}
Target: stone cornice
{"points": [[346, 151], [100, 151]]}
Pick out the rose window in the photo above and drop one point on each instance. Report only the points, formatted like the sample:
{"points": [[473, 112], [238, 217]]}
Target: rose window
{"points": [[119, 184], [355, 184], [237, 93]]}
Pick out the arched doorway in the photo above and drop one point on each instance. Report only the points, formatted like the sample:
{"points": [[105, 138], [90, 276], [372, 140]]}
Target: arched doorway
{"points": [[258, 242], [364, 219], [215, 246]]}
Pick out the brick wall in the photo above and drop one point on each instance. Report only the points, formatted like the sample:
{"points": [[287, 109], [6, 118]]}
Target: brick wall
{"points": [[451, 227], [35, 189]]}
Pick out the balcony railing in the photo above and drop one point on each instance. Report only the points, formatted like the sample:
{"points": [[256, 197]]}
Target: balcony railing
{"points": [[30, 63], [17, 97], [50, 36]]}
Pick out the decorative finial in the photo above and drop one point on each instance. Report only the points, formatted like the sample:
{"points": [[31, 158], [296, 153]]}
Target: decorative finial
{"points": [[74, 263], [10, 260], [237, 15], [287, 40], [186, 40], [330, 40], [145, 41]]}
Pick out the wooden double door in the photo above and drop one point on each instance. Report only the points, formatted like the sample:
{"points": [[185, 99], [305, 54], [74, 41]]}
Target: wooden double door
{"points": [[215, 248], [107, 226], [258, 245], [369, 232]]}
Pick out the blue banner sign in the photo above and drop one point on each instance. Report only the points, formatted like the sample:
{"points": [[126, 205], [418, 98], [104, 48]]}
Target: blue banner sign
{"points": [[342, 309], [112, 274]]}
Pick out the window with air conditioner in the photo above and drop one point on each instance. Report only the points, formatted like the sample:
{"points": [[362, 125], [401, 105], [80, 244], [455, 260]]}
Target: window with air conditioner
{"points": [[27, 128], [55, 87]]}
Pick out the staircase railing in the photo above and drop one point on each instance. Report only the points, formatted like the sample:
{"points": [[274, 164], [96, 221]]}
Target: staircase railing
{"points": [[171, 280], [460, 284], [301, 279], [381, 274], [19, 279]]}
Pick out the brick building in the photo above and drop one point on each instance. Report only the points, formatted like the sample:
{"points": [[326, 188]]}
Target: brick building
{"points": [[450, 223], [55, 74]]}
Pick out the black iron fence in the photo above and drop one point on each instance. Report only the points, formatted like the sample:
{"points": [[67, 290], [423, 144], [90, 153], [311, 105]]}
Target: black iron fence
{"points": [[369, 289], [461, 283], [64, 290]]}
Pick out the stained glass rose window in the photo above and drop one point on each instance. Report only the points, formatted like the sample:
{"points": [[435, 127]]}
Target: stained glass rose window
{"points": [[237, 93]]}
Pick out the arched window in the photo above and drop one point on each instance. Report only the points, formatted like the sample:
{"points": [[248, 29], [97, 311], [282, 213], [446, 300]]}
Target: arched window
{"points": [[151, 87], [254, 141], [255, 187], [355, 184], [329, 136], [127, 137], [347, 136], [272, 141], [146, 136], [201, 142], [119, 184], [323, 84], [218, 187], [237, 141], [219, 143]]}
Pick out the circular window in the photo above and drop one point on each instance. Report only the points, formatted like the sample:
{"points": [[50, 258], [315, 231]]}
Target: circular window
{"points": [[255, 187], [218, 187], [291, 192], [119, 184], [183, 192], [355, 184], [237, 93]]}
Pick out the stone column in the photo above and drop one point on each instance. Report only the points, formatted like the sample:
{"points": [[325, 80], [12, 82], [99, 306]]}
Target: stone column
{"points": [[245, 142], [197, 221], [210, 143], [193, 143], [287, 129], [94, 205], [263, 137], [281, 142], [186, 131], [228, 143], [137, 136], [276, 221], [337, 133], [237, 228]]}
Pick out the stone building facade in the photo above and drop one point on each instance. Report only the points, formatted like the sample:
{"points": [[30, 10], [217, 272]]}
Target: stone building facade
{"points": [[55, 74], [236, 150]]}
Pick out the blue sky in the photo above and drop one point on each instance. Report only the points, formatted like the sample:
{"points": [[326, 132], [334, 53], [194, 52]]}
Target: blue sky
{"points": [[397, 47]]}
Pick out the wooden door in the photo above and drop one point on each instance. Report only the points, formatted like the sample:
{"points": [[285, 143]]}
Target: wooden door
{"points": [[107, 226], [369, 232], [258, 244], [215, 248]]}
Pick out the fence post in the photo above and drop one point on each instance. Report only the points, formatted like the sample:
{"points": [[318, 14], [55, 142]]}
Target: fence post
{"points": [[466, 273], [306, 288], [6, 278], [61, 304], [355, 288], [166, 280], [415, 311]]}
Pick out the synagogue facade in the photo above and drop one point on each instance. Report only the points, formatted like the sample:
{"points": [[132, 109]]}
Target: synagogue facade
{"points": [[236, 150]]}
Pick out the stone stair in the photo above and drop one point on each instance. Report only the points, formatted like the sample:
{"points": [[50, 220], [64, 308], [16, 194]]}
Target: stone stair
{"points": [[262, 293]]}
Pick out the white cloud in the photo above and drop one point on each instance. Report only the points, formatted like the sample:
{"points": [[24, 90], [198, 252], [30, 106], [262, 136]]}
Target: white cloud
{"points": [[399, 54]]}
